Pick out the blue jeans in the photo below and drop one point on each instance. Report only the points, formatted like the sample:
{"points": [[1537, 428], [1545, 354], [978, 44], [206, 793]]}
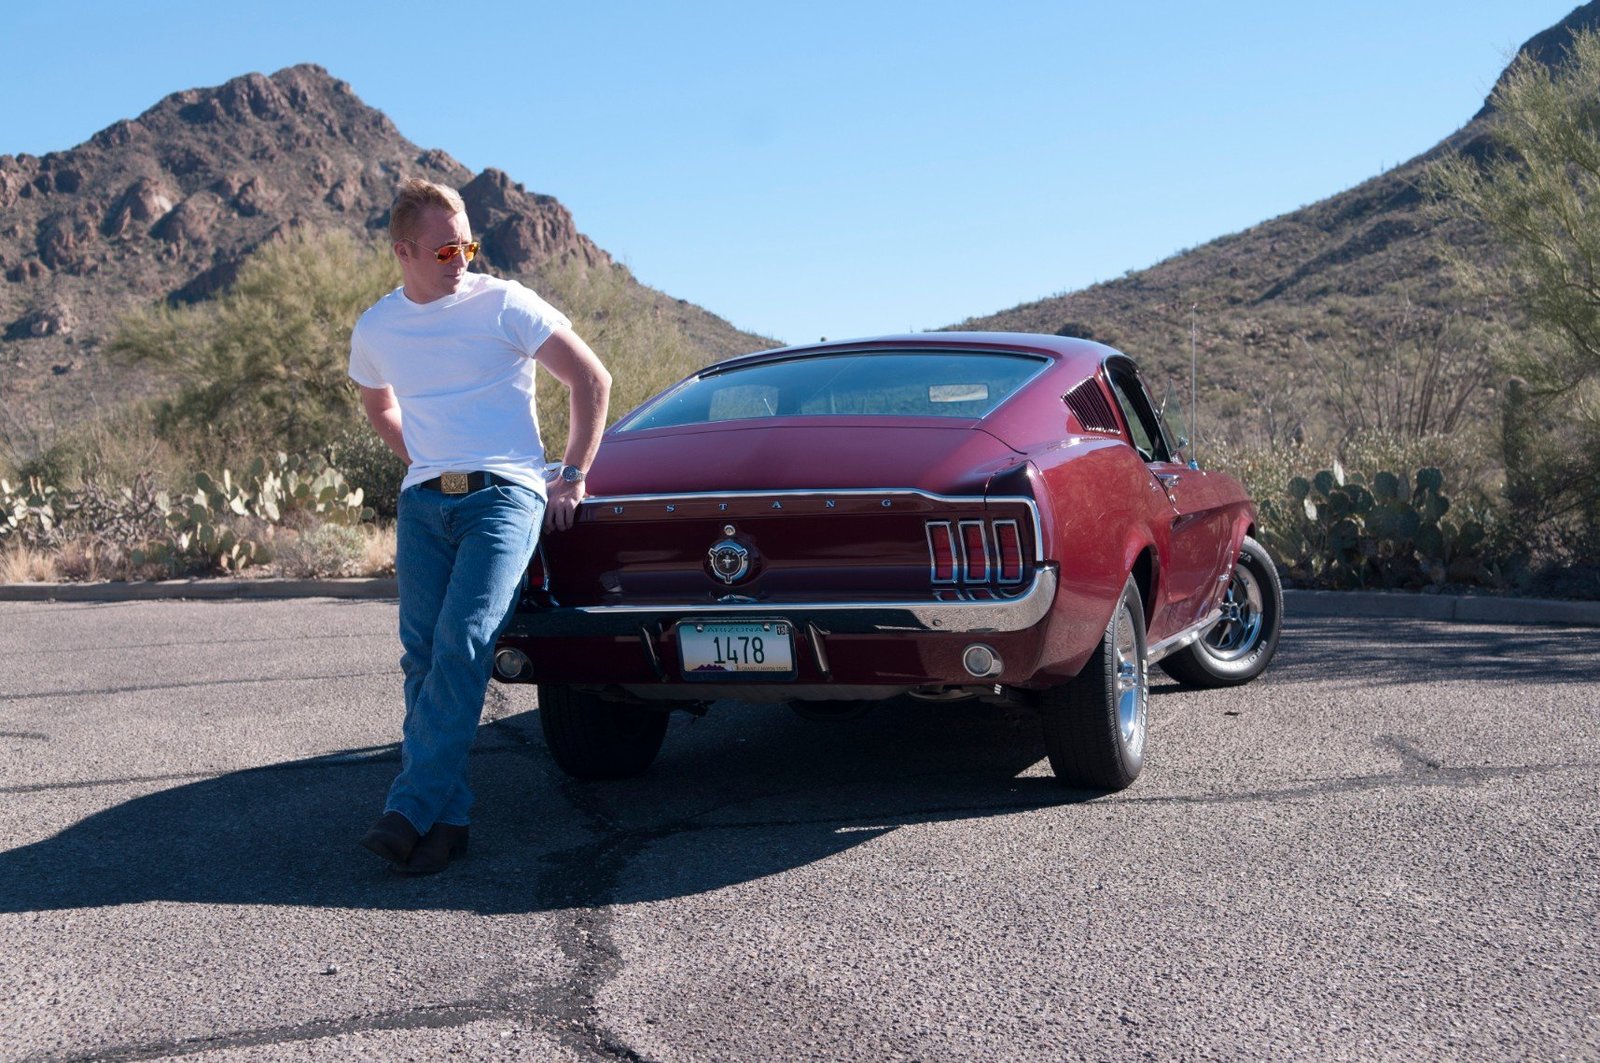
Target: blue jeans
{"points": [[460, 562]]}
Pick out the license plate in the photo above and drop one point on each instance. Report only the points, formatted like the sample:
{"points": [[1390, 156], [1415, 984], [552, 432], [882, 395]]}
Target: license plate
{"points": [[763, 649]]}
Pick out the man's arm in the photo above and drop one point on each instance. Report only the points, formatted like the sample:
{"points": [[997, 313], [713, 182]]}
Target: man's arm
{"points": [[588, 384], [384, 413]]}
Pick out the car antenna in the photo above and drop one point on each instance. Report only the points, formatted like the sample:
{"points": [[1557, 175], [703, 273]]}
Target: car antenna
{"points": [[1194, 405]]}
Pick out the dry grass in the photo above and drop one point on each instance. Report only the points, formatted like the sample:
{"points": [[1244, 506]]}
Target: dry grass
{"points": [[81, 561], [18, 564], [377, 557]]}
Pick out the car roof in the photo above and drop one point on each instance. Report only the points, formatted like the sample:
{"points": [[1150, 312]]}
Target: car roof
{"points": [[1085, 356]]}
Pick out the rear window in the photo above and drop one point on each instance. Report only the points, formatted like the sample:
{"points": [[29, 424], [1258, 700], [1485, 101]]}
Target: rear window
{"points": [[877, 384]]}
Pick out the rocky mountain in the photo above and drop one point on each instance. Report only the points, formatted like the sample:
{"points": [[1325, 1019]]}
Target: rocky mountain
{"points": [[169, 204], [1326, 282]]}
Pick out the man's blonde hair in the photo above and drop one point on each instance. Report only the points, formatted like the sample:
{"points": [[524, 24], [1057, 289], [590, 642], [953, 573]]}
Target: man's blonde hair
{"points": [[416, 196]]}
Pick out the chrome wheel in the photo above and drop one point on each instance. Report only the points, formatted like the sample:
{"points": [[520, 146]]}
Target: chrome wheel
{"points": [[1095, 726], [1133, 683], [1239, 629], [1239, 645]]}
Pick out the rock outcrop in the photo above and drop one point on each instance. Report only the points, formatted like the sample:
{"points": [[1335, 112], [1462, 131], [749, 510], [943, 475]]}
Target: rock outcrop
{"points": [[169, 204]]}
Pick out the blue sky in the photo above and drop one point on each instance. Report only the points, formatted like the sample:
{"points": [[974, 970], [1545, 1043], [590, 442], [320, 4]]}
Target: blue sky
{"points": [[838, 169]]}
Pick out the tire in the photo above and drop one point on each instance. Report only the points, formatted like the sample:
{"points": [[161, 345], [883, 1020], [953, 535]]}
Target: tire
{"points": [[1095, 726], [591, 738], [1239, 646]]}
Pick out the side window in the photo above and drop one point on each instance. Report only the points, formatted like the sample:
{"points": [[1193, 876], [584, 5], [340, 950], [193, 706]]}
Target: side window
{"points": [[1140, 414]]}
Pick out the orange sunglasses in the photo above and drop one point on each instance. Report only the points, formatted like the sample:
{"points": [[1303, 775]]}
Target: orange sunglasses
{"points": [[468, 251]]}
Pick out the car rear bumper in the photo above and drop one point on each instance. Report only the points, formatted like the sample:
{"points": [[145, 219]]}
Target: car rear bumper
{"points": [[956, 612]]}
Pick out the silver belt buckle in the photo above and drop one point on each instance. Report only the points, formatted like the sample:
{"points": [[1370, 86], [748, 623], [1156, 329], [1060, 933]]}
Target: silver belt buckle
{"points": [[453, 483]]}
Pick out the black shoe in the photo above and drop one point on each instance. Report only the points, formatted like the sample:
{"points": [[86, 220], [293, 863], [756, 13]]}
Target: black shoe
{"points": [[442, 843], [392, 837]]}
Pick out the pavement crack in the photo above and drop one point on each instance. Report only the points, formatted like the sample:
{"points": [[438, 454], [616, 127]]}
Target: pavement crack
{"points": [[1410, 755], [435, 1017], [578, 894]]}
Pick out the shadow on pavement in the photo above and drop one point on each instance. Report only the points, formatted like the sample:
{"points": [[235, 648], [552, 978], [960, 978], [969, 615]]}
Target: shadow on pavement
{"points": [[1410, 651], [746, 792]]}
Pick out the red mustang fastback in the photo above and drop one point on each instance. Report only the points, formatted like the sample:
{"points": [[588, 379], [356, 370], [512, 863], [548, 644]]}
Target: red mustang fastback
{"points": [[996, 516]]}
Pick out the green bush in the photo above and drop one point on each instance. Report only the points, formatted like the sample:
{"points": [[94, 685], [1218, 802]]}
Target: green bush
{"points": [[1533, 187], [263, 366], [371, 467]]}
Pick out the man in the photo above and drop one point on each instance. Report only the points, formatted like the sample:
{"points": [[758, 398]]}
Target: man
{"points": [[445, 365]]}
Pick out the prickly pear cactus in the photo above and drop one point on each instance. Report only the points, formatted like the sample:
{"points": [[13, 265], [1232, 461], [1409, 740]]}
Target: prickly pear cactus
{"points": [[1336, 530]]}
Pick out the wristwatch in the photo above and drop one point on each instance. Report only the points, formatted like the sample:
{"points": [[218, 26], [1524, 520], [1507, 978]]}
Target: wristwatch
{"points": [[571, 474]]}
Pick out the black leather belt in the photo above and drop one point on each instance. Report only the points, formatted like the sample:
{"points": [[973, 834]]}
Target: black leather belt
{"points": [[460, 483]]}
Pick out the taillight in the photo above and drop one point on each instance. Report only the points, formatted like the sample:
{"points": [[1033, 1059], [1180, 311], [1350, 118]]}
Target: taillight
{"points": [[979, 562], [974, 552], [1008, 550], [942, 551]]}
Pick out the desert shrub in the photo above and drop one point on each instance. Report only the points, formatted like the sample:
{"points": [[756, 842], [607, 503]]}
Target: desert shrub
{"points": [[319, 552], [106, 525], [263, 367], [113, 449], [370, 466], [1534, 186], [1466, 459], [1420, 373], [642, 346]]}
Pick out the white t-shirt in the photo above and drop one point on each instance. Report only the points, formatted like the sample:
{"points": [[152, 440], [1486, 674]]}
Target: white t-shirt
{"points": [[462, 369]]}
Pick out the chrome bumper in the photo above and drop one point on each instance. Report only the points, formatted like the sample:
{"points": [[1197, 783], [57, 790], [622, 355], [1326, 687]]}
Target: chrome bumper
{"points": [[1014, 612]]}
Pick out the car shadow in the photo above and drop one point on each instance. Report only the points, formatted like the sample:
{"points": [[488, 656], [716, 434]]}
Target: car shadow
{"points": [[746, 792]]}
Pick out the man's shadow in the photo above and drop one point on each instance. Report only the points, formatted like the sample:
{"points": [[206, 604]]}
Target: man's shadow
{"points": [[745, 792]]}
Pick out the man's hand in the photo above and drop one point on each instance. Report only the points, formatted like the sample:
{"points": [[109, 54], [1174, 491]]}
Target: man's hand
{"points": [[562, 507]]}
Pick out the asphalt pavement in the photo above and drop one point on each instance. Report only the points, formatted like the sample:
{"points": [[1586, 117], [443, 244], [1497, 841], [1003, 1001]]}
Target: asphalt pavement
{"points": [[1486, 608], [1384, 848]]}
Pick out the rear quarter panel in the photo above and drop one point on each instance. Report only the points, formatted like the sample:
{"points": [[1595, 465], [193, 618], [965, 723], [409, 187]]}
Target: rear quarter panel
{"points": [[1096, 511]]}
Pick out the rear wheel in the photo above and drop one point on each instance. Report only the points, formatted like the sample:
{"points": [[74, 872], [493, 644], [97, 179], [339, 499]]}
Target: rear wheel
{"points": [[1237, 647], [1094, 726], [591, 738]]}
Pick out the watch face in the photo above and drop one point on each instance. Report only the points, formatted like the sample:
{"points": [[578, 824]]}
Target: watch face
{"points": [[572, 474]]}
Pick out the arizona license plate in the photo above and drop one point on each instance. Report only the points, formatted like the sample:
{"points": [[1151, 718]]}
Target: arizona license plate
{"points": [[763, 649]]}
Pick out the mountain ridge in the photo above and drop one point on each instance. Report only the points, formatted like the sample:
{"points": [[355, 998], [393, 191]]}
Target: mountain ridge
{"points": [[169, 204], [1324, 280]]}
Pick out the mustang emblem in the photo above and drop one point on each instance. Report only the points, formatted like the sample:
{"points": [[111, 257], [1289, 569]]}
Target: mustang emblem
{"points": [[729, 561]]}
